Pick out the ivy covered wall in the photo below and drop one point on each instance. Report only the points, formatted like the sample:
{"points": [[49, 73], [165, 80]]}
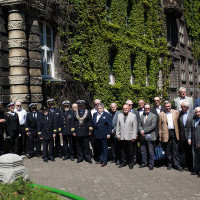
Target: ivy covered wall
{"points": [[125, 37]]}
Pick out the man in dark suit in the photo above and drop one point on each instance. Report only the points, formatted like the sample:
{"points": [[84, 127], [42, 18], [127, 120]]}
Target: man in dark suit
{"points": [[196, 103], [196, 142], [32, 132], [102, 122], [115, 145], [12, 128], [65, 130], [56, 114], [147, 127], [2, 121], [82, 123], [47, 131], [185, 123]]}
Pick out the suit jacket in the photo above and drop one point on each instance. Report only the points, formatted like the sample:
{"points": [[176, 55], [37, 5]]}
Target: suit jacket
{"points": [[163, 125], [127, 130], [185, 131], [66, 126], [82, 129], [149, 126], [46, 126], [196, 102], [56, 115], [103, 127], [195, 133], [177, 103], [1, 124], [12, 123], [114, 121], [31, 123]]}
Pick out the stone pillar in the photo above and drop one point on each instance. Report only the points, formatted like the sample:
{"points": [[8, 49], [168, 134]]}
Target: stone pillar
{"points": [[35, 63], [18, 61], [4, 69]]}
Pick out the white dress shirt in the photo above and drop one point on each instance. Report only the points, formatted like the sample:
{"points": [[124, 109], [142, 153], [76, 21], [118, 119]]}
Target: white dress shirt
{"points": [[98, 116], [22, 115], [170, 120], [158, 109]]}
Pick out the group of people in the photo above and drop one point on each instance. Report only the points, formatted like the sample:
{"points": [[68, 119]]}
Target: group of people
{"points": [[132, 134]]}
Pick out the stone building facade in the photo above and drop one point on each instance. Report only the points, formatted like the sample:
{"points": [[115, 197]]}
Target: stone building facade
{"points": [[29, 51]]}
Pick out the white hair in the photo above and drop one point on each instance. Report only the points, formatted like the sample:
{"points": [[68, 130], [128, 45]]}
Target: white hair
{"points": [[182, 88]]}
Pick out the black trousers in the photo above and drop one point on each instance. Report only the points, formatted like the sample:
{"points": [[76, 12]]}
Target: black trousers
{"points": [[126, 151], [67, 146], [83, 148], [185, 154], [14, 141], [147, 150], [1, 145], [57, 147], [48, 147], [94, 147], [34, 141], [74, 149], [23, 141], [171, 150]]}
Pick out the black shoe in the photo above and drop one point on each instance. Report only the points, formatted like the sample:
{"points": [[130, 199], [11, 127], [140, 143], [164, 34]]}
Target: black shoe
{"points": [[65, 158], [89, 161], [121, 165], [52, 159], [72, 158], [59, 155], [103, 164], [142, 166], [78, 161], [169, 167], [150, 168], [117, 162], [45, 160], [130, 166], [194, 173], [37, 155], [180, 169], [30, 156]]}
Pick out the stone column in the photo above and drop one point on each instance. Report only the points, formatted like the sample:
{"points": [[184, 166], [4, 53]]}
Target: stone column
{"points": [[35, 63], [18, 61]]}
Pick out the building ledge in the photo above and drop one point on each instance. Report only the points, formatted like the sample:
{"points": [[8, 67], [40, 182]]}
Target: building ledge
{"points": [[53, 80]]}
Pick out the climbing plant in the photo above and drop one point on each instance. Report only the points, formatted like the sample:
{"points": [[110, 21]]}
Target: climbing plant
{"points": [[124, 37]]}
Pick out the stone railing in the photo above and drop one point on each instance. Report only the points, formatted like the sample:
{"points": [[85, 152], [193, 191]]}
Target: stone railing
{"points": [[173, 5]]}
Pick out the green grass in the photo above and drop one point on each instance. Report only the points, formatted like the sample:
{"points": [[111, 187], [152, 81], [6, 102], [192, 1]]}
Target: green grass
{"points": [[20, 190]]}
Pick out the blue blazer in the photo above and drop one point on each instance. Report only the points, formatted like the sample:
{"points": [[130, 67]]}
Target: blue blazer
{"points": [[103, 127]]}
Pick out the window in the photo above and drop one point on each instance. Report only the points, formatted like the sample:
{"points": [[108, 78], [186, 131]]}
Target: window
{"points": [[183, 70], [189, 42], [132, 61], [46, 40], [181, 33], [190, 71], [172, 30], [112, 56]]}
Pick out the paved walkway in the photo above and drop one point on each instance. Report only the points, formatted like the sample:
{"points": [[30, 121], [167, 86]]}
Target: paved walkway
{"points": [[93, 182]]}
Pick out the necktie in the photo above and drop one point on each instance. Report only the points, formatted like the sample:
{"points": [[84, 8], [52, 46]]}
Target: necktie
{"points": [[145, 119]]}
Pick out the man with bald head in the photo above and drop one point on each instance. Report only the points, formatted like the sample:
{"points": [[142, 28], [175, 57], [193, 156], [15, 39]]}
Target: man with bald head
{"points": [[115, 145], [185, 123], [178, 101]]}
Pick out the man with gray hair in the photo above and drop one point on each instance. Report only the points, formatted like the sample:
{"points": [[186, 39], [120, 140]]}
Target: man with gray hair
{"points": [[196, 142], [185, 123], [181, 98]]}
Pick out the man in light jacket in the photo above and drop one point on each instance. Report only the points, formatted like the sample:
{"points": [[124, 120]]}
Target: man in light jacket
{"points": [[126, 132]]}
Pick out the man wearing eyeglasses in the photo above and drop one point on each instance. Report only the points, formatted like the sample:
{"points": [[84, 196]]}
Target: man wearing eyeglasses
{"points": [[22, 120]]}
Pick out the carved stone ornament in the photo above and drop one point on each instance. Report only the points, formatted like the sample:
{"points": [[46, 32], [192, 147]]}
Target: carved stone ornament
{"points": [[18, 80], [35, 80], [34, 46], [36, 98], [17, 61], [35, 29], [35, 63], [20, 97], [16, 25], [14, 43]]}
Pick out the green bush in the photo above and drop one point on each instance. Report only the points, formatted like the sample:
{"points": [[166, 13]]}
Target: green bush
{"points": [[21, 190]]}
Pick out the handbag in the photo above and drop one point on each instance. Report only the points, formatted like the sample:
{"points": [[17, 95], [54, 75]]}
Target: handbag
{"points": [[159, 153]]}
